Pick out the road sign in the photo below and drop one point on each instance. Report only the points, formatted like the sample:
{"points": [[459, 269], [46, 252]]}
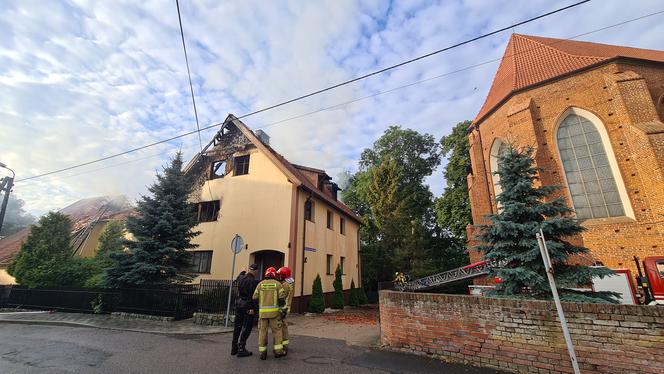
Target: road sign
{"points": [[237, 244]]}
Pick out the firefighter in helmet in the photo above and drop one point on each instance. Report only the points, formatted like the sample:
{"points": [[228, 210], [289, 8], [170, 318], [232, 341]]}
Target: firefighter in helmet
{"points": [[270, 297], [288, 284]]}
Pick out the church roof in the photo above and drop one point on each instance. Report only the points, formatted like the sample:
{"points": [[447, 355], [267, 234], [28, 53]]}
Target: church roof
{"points": [[529, 60]]}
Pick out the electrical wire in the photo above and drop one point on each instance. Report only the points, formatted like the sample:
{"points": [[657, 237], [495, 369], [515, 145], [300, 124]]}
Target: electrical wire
{"points": [[315, 92]]}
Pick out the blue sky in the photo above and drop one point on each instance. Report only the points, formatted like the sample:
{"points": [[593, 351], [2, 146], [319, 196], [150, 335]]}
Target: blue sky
{"points": [[84, 79]]}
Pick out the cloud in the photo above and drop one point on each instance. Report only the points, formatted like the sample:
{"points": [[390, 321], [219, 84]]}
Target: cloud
{"points": [[85, 79]]}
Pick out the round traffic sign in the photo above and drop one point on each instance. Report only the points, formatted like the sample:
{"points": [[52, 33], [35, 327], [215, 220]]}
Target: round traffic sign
{"points": [[237, 244]]}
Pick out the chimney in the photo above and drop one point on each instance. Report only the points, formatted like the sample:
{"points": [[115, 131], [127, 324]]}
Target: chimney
{"points": [[263, 136]]}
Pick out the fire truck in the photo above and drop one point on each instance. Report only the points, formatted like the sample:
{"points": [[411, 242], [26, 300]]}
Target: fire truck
{"points": [[649, 282]]}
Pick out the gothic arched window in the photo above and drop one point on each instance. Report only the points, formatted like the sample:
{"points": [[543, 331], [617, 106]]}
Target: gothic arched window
{"points": [[590, 178], [499, 147]]}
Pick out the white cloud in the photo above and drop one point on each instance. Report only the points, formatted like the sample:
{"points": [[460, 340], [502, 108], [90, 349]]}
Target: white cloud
{"points": [[85, 79]]}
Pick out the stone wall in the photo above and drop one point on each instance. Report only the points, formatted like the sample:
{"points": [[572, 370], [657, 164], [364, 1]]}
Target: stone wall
{"points": [[524, 336]]}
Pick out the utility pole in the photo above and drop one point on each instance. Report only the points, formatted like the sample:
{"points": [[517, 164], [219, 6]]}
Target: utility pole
{"points": [[5, 186]]}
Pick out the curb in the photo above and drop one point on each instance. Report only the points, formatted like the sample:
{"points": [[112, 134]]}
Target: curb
{"points": [[89, 325]]}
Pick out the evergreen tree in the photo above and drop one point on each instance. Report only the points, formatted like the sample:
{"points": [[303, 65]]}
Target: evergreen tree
{"points": [[46, 257], [111, 241], [523, 210], [317, 302], [353, 299], [162, 233], [338, 296]]}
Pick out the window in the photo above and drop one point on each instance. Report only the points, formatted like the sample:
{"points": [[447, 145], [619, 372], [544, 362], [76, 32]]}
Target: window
{"points": [[660, 268], [218, 169], [342, 264], [589, 176], [201, 261], [309, 210], [330, 217], [208, 211], [499, 148], [241, 165], [342, 226], [329, 265]]}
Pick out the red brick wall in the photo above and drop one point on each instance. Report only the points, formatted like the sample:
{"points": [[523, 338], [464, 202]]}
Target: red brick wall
{"points": [[624, 96], [524, 336]]}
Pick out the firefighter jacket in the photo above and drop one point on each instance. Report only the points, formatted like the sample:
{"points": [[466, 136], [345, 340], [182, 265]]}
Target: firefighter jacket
{"points": [[289, 290], [270, 296]]}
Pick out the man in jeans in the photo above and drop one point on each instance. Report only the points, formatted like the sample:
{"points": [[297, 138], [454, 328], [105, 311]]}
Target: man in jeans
{"points": [[245, 311]]}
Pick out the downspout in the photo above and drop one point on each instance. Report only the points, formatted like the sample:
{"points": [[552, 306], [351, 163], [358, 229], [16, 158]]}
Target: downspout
{"points": [[488, 191], [359, 258], [304, 245]]}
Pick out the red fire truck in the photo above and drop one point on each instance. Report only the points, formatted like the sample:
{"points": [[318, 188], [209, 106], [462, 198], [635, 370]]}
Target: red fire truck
{"points": [[651, 281]]}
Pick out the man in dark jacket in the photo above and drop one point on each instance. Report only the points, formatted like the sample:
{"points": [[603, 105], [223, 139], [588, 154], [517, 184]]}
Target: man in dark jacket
{"points": [[245, 310]]}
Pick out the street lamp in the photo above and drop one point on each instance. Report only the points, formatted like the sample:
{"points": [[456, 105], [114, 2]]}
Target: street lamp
{"points": [[6, 185]]}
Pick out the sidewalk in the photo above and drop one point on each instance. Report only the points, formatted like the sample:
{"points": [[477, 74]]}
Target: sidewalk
{"points": [[105, 321]]}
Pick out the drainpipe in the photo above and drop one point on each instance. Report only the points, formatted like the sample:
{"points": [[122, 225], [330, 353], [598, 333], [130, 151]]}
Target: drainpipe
{"points": [[304, 245]]}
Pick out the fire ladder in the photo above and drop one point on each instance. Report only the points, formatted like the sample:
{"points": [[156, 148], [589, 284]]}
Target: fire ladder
{"points": [[450, 276]]}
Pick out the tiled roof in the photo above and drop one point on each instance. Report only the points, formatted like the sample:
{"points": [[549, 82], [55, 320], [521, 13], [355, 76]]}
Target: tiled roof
{"points": [[529, 60]]}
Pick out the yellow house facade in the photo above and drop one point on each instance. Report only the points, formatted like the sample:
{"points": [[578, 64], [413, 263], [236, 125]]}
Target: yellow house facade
{"points": [[287, 215]]}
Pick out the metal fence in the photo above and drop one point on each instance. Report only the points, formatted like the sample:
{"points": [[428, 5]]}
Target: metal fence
{"points": [[178, 301]]}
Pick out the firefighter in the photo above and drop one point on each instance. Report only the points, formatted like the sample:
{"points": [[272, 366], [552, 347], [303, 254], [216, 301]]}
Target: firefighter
{"points": [[270, 297], [288, 284]]}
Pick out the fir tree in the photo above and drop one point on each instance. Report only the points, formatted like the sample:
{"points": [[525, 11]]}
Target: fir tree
{"points": [[317, 302], [353, 299], [338, 296], [162, 233], [111, 241], [523, 210]]}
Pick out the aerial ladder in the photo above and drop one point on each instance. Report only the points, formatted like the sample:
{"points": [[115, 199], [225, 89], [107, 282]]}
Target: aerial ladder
{"points": [[448, 277]]}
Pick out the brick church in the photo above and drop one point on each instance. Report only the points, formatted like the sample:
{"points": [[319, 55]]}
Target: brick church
{"points": [[594, 114]]}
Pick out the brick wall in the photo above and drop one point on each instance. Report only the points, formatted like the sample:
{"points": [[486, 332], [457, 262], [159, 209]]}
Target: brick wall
{"points": [[524, 336]]}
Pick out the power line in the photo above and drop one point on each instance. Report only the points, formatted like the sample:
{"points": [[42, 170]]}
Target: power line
{"points": [[191, 86], [469, 67], [198, 130]]}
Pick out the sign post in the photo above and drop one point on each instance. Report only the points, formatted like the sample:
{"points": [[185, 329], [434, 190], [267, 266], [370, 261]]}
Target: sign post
{"points": [[561, 316], [236, 247]]}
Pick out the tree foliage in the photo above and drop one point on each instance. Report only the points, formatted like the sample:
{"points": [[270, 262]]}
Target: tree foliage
{"points": [[111, 241], [317, 302], [338, 296], [400, 232], [510, 236], [16, 218], [353, 298], [162, 233], [46, 257], [453, 207]]}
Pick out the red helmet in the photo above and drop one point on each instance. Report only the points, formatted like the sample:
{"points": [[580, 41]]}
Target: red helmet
{"points": [[270, 272], [284, 272]]}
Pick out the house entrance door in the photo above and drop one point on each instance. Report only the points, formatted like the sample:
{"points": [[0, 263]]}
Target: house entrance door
{"points": [[267, 258]]}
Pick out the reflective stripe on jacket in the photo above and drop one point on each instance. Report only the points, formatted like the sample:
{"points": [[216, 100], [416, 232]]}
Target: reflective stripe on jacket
{"points": [[268, 293], [289, 290]]}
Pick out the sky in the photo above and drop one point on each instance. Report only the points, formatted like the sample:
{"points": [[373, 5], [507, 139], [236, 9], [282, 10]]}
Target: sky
{"points": [[80, 79]]}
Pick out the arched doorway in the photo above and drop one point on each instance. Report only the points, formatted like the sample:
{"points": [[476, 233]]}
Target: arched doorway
{"points": [[266, 258]]}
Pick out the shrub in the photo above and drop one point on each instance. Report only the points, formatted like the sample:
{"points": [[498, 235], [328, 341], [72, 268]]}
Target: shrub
{"points": [[317, 303], [338, 297], [354, 299]]}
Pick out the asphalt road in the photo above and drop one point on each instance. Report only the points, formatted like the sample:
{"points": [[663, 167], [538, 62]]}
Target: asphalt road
{"points": [[58, 349]]}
